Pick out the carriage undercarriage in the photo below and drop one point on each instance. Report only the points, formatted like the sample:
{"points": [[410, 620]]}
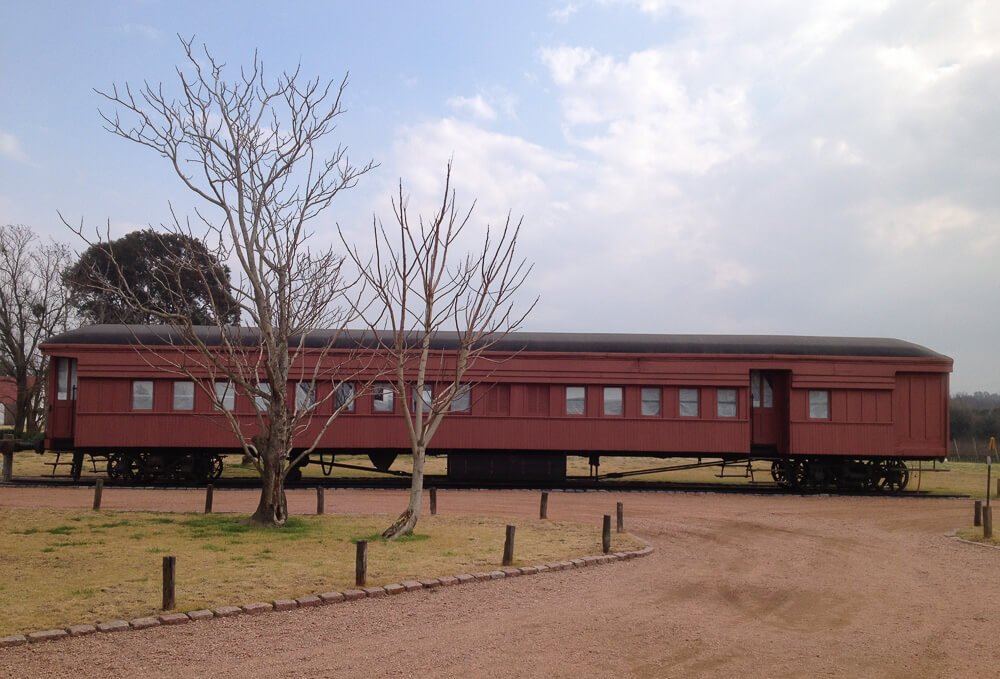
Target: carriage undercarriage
{"points": [[802, 474]]}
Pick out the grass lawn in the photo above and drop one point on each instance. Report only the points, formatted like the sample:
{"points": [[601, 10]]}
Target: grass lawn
{"points": [[64, 567], [961, 478]]}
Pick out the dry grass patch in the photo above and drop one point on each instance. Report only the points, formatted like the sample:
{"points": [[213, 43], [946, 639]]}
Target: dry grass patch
{"points": [[961, 478], [63, 567], [976, 535]]}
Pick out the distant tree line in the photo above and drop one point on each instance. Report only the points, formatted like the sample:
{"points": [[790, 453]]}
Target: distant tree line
{"points": [[975, 416]]}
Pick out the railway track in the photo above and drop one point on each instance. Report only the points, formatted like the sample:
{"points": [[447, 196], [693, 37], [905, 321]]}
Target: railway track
{"points": [[572, 484]]}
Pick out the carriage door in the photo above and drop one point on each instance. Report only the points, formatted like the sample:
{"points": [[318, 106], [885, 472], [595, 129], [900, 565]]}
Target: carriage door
{"points": [[63, 406], [769, 409]]}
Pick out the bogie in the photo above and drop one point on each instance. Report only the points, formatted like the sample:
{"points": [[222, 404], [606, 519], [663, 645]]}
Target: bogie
{"points": [[132, 468], [818, 474]]}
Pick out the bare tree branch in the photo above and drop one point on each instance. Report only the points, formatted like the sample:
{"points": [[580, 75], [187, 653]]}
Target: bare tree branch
{"points": [[423, 289], [33, 306], [250, 149]]}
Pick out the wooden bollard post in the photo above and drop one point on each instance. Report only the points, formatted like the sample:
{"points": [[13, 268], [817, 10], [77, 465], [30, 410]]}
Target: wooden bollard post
{"points": [[361, 564], [977, 513], [8, 467], [508, 547], [209, 492], [98, 491], [543, 507], [987, 523], [620, 511], [989, 471], [434, 501], [320, 500], [169, 580], [606, 534]]}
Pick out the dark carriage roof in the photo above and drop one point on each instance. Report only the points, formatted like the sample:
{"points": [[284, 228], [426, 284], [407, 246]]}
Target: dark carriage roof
{"points": [[535, 341]]}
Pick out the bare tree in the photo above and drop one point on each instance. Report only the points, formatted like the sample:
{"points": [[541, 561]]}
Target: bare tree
{"points": [[425, 290], [249, 149], [33, 306]]}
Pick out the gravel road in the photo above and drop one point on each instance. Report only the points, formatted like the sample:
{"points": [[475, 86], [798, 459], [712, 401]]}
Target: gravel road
{"points": [[739, 586]]}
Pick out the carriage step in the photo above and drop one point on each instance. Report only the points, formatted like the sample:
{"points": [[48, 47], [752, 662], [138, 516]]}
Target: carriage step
{"points": [[94, 459]]}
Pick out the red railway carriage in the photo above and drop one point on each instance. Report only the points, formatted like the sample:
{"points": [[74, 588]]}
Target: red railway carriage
{"points": [[824, 410]]}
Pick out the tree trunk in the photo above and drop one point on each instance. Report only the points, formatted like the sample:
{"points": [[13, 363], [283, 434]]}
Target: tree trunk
{"points": [[22, 403], [407, 521], [272, 509]]}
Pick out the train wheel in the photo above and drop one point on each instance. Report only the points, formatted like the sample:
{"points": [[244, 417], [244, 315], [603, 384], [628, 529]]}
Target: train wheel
{"points": [[892, 476], [789, 473], [786, 473], [129, 467], [813, 476], [798, 474], [872, 476], [217, 465], [778, 473], [115, 466]]}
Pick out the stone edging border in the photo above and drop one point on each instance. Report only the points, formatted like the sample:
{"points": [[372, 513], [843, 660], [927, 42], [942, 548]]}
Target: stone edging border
{"points": [[954, 536], [315, 599]]}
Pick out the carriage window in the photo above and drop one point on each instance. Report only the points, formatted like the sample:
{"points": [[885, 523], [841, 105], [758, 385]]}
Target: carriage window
{"points": [[225, 394], [461, 402], [262, 397], [183, 395], [343, 397], [819, 404], [305, 396], [427, 400], [689, 403], [382, 397], [142, 395], [62, 393], [651, 401], [66, 379], [576, 400], [761, 391], [726, 403], [613, 401]]}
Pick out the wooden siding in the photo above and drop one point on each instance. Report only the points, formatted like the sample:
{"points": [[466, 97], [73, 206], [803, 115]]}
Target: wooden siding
{"points": [[920, 412], [521, 405]]}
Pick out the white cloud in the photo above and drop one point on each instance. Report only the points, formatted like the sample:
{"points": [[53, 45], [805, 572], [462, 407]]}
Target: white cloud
{"points": [[775, 167], [498, 171], [836, 151], [654, 8], [563, 62], [10, 148], [643, 113], [901, 229], [562, 14], [475, 106]]}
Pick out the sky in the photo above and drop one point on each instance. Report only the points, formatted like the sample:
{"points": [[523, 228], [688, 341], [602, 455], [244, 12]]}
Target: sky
{"points": [[767, 167]]}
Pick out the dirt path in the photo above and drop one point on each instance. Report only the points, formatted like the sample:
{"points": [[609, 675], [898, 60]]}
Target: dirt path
{"points": [[739, 586]]}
